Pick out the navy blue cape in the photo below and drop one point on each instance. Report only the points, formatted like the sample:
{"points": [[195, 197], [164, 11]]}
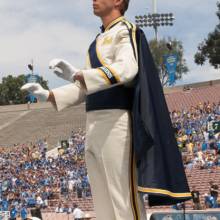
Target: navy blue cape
{"points": [[159, 163]]}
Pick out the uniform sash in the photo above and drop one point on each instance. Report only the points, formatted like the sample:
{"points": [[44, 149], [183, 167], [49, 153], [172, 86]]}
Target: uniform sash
{"points": [[116, 97]]}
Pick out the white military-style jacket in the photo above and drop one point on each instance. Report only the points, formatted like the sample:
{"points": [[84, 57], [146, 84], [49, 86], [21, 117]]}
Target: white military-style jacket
{"points": [[118, 64]]}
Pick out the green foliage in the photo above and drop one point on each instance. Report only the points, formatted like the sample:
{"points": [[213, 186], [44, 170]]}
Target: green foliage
{"points": [[209, 49], [43, 83], [159, 49], [10, 89]]}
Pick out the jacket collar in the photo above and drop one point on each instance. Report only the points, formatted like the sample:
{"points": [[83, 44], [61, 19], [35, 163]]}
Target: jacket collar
{"points": [[112, 24]]}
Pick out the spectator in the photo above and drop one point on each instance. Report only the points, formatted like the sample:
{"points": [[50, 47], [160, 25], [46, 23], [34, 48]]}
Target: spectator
{"points": [[208, 201], [214, 193], [59, 208], [23, 213], [13, 213], [196, 199], [78, 213], [5, 204], [39, 201]]}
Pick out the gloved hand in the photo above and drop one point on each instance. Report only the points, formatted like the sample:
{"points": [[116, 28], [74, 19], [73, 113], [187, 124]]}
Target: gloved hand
{"points": [[37, 90], [63, 69]]}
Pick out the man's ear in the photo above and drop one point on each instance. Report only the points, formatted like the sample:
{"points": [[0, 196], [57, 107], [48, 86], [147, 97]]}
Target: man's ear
{"points": [[118, 3]]}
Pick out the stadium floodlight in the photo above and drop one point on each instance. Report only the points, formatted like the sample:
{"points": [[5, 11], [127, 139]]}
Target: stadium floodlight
{"points": [[155, 20], [31, 66]]}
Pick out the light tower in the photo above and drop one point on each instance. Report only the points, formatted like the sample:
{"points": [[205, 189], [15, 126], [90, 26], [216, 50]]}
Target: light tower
{"points": [[155, 19]]}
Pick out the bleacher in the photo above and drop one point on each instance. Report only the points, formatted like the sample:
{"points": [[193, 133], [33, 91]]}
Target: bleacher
{"points": [[183, 97], [19, 123]]}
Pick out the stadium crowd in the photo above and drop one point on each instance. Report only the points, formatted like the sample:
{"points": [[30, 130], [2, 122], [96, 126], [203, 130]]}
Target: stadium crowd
{"points": [[199, 142], [30, 177], [196, 136]]}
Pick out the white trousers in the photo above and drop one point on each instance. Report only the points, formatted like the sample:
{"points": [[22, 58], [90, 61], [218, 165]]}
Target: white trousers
{"points": [[109, 163]]}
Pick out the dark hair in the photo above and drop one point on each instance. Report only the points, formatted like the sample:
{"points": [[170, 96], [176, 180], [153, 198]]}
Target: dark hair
{"points": [[124, 7]]}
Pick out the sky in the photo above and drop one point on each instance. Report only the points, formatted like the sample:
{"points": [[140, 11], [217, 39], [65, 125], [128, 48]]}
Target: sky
{"points": [[42, 30]]}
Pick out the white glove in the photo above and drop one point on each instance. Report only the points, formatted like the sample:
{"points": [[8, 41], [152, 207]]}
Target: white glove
{"points": [[63, 69], [37, 90]]}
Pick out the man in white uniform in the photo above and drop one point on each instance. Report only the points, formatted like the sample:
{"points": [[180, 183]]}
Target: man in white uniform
{"points": [[104, 84]]}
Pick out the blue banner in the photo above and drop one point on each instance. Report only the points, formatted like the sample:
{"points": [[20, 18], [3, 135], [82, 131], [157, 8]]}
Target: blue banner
{"points": [[170, 62], [31, 78]]}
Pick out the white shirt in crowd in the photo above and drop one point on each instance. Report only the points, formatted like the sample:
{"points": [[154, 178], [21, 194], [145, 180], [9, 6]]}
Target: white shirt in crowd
{"points": [[39, 200], [78, 213], [206, 136], [59, 210], [71, 184]]}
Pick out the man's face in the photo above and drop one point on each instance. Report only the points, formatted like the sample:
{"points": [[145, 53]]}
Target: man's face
{"points": [[104, 7]]}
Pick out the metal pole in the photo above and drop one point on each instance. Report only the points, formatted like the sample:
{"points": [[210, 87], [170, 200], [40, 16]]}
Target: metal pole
{"points": [[155, 12], [156, 32], [154, 6], [32, 63]]}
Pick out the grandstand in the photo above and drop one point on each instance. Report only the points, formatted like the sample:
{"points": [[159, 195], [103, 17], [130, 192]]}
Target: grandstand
{"points": [[183, 97], [19, 122], [23, 123]]}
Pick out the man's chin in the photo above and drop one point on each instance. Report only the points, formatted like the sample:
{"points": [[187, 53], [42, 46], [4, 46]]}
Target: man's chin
{"points": [[97, 12]]}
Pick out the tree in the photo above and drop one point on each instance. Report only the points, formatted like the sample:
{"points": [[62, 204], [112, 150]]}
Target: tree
{"points": [[10, 89], [209, 49], [161, 48]]}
